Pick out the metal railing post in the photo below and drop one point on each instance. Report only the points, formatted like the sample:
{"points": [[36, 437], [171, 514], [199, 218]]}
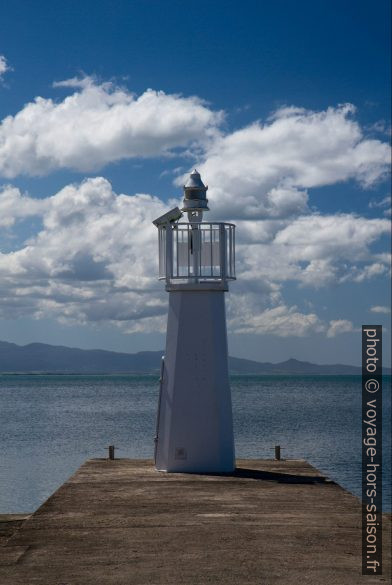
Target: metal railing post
{"points": [[169, 253], [222, 251]]}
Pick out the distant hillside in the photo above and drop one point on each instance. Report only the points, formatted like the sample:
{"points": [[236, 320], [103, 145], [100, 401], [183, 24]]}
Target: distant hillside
{"points": [[39, 357]]}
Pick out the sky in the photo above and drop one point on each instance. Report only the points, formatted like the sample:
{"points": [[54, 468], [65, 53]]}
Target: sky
{"points": [[282, 106]]}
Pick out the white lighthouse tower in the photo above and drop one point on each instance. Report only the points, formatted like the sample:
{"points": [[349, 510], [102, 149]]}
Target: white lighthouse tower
{"points": [[196, 260]]}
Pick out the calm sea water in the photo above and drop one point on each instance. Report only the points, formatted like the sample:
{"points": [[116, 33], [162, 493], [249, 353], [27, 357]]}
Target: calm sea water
{"points": [[49, 425]]}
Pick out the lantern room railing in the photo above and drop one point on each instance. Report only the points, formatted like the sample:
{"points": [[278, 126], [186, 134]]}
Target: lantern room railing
{"points": [[196, 252]]}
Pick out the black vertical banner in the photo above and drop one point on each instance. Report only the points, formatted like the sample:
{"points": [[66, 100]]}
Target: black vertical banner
{"points": [[371, 449]]}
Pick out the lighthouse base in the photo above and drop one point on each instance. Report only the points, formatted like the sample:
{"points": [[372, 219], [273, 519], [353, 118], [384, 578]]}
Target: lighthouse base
{"points": [[194, 424]]}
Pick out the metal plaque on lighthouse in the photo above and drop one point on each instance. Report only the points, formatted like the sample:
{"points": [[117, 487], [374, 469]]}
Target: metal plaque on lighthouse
{"points": [[196, 260]]}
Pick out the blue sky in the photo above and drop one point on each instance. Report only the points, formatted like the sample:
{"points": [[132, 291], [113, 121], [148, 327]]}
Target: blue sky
{"points": [[283, 107]]}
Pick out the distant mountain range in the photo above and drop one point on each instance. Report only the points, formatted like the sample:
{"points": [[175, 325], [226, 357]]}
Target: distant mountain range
{"points": [[39, 357]]}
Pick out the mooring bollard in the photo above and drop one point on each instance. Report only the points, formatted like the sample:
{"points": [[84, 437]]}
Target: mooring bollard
{"points": [[111, 451], [277, 452]]}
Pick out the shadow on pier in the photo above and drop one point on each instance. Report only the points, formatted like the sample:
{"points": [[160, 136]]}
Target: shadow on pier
{"points": [[258, 474]]}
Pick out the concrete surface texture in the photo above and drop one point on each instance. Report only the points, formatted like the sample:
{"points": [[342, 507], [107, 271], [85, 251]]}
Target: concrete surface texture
{"points": [[122, 522]]}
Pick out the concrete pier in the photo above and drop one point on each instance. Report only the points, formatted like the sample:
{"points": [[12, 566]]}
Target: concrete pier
{"points": [[120, 522]]}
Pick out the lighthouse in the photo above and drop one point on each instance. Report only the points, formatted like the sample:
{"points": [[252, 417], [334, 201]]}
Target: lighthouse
{"points": [[194, 429]]}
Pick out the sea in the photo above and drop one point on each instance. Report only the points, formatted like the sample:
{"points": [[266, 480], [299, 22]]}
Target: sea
{"points": [[50, 424]]}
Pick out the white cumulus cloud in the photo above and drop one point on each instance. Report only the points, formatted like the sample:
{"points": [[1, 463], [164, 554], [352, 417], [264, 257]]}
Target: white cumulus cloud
{"points": [[280, 321], [99, 124], [313, 249], [14, 205], [4, 67], [380, 309], [94, 259], [265, 170], [339, 326], [384, 204]]}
